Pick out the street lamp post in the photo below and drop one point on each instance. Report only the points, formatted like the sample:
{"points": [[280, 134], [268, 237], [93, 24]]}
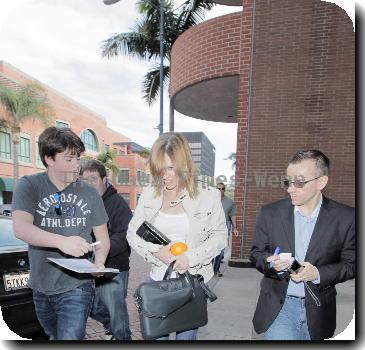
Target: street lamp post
{"points": [[160, 126]]}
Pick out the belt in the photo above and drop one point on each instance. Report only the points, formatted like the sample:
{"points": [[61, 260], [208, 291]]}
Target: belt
{"points": [[296, 297]]}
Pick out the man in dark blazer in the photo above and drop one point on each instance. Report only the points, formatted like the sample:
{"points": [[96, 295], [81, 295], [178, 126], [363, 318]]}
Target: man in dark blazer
{"points": [[320, 234]]}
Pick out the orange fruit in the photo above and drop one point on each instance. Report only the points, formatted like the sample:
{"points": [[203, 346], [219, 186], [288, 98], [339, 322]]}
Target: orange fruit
{"points": [[178, 248]]}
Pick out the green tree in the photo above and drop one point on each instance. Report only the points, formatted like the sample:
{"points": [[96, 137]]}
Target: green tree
{"points": [[145, 153], [143, 39], [108, 159], [21, 103]]}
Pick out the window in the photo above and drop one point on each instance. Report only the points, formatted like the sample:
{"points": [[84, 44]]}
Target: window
{"points": [[5, 145], [123, 177], [106, 147], [37, 156], [195, 145], [90, 141], [60, 124], [24, 150], [125, 196], [196, 151], [142, 178]]}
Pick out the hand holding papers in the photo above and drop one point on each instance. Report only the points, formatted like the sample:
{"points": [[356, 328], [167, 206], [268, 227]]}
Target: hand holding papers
{"points": [[81, 266]]}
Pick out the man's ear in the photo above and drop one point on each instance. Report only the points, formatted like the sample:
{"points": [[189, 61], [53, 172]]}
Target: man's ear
{"points": [[49, 161], [105, 180], [322, 182]]}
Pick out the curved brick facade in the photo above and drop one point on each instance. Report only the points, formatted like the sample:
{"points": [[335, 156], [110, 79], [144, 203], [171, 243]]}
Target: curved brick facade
{"points": [[206, 51], [296, 66]]}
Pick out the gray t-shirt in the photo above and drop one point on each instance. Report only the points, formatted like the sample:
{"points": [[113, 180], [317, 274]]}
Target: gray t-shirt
{"points": [[228, 207], [81, 209]]}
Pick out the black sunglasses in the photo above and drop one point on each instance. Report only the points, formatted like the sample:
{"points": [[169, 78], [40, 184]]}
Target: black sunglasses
{"points": [[57, 206], [298, 183], [221, 188]]}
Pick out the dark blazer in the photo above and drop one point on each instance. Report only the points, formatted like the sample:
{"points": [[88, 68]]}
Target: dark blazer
{"points": [[331, 250]]}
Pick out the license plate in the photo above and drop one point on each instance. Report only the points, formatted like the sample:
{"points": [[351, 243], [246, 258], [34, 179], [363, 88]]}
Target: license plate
{"points": [[13, 281]]}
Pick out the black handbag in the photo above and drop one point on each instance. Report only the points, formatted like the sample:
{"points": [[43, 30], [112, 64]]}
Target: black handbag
{"points": [[151, 234], [173, 304]]}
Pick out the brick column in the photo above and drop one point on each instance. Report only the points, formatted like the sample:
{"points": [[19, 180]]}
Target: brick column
{"points": [[243, 111]]}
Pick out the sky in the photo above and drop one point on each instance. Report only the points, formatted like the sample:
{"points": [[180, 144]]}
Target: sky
{"points": [[58, 43]]}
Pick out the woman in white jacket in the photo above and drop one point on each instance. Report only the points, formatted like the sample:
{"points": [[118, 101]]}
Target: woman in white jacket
{"points": [[181, 210]]}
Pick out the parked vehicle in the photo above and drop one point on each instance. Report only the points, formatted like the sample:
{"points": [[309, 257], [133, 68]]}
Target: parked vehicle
{"points": [[16, 299], [5, 209]]}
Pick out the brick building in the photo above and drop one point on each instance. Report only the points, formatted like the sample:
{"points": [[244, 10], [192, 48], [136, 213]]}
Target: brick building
{"points": [[284, 71], [91, 127]]}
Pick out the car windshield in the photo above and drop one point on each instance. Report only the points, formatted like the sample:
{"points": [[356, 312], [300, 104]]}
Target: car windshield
{"points": [[7, 237]]}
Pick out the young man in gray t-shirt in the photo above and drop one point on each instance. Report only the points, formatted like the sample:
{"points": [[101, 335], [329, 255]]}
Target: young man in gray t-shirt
{"points": [[54, 213]]}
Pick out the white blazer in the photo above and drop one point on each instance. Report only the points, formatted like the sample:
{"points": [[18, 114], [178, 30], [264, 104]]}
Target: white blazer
{"points": [[207, 235]]}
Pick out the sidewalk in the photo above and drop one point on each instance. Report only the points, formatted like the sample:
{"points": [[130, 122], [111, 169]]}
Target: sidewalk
{"points": [[230, 316]]}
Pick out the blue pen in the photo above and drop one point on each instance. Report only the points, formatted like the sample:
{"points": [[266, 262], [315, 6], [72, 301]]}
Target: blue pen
{"points": [[276, 253]]}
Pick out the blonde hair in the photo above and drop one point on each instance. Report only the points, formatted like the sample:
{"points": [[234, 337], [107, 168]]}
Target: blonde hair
{"points": [[177, 148]]}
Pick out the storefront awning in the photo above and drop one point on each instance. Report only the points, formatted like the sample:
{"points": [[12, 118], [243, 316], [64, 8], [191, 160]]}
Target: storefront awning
{"points": [[6, 184]]}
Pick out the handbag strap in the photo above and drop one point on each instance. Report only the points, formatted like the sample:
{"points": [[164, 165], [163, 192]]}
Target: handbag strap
{"points": [[208, 292]]}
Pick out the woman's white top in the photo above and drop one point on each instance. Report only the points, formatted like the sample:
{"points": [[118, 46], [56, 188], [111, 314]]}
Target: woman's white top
{"points": [[176, 228]]}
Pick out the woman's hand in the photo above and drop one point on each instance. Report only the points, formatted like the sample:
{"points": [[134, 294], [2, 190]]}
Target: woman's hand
{"points": [[165, 255], [181, 264]]}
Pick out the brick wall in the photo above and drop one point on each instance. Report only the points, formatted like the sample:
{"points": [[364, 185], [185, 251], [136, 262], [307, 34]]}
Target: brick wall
{"points": [[133, 162], [302, 95], [206, 51], [242, 120]]}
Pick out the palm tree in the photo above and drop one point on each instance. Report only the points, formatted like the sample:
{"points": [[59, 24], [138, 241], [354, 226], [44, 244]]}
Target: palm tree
{"points": [[108, 159], [21, 103], [232, 156], [143, 39]]}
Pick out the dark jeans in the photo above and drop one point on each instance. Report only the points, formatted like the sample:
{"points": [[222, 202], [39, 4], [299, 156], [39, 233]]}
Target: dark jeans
{"points": [[110, 307], [217, 260], [63, 316]]}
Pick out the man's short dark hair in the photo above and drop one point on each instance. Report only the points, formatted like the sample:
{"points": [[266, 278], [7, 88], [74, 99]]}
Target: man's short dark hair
{"points": [[322, 162], [94, 166], [57, 140]]}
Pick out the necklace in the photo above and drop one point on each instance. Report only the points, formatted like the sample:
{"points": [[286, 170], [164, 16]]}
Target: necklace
{"points": [[178, 197], [170, 189]]}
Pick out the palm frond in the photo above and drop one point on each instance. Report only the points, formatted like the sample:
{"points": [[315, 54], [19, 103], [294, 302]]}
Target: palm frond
{"points": [[192, 13], [8, 98], [108, 158], [151, 83], [233, 157], [143, 40], [28, 101]]}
